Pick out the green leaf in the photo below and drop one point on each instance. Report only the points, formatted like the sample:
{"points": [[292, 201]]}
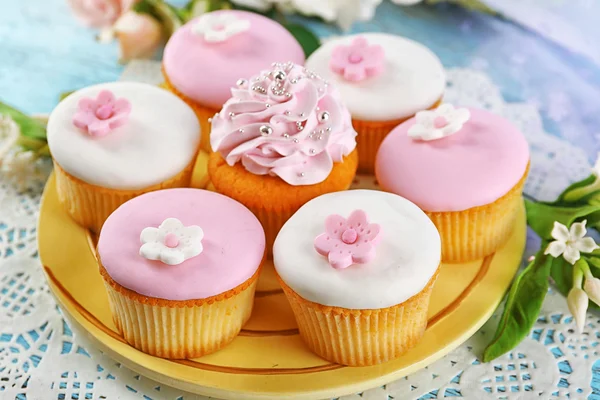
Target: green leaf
{"points": [[522, 306], [64, 95], [541, 217], [562, 274], [29, 126], [468, 4], [171, 18], [307, 39]]}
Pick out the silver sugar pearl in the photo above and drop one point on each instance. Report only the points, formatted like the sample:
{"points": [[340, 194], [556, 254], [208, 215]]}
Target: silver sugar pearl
{"points": [[279, 75], [240, 130], [323, 117], [267, 105], [328, 129], [241, 82], [286, 135], [265, 130], [288, 95], [301, 174], [294, 81], [296, 140], [231, 114], [320, 137], [312, 151], [287, 112], [301, 115]]}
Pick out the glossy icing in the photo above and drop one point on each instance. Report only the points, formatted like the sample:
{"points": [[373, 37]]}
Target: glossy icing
{"points": [[285, 122], [233, 244], [158, 141], [205, 70], [407, 254], [473, 167], [412, 79]]}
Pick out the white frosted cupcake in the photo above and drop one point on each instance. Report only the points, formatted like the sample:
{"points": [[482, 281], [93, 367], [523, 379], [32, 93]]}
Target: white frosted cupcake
{"points": [[358, 268], [384, 79], [114, 141]]}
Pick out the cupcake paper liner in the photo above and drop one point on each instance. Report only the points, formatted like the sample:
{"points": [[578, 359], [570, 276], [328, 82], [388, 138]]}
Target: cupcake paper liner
{"points": [[370, 136], [90, 205], [270, 199], [202, 112], [479, 231], [180, 329], [361, 337]]}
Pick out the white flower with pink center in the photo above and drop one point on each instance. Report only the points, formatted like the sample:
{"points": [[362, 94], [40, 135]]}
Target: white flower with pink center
{"points": [[348, 241], [218, 27], [439, 123], [171, 243]]}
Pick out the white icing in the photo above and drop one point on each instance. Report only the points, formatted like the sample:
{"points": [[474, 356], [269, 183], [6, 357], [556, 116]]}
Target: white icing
{"points": [[441, 122], [218, 27], [156, 244], [158, 141], [413, 78], [407, 256]]}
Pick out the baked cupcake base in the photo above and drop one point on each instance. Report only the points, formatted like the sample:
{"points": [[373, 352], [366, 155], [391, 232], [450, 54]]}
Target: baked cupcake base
{"points": [[272, 200], [202, 112], [479, 231], [90, 205], [361, 337], [180, 329], [371, 135]]}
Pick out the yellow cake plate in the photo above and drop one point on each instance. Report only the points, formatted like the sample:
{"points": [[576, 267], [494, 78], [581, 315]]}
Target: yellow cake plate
{"points": [[268, 360]]}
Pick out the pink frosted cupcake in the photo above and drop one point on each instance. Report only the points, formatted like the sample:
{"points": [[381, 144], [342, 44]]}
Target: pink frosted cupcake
{"points": [[205, 58], [465, 168], [180, 278]]}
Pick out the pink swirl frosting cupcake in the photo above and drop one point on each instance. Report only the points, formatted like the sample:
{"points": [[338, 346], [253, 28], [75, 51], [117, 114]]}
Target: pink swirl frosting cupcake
{"points": [[286, 122]]}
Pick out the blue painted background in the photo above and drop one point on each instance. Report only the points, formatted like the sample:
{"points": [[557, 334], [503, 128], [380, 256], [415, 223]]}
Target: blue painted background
{"points": [[44, 51]]}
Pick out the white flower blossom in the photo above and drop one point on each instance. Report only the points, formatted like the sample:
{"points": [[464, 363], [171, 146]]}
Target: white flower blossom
{"points": [[570, 243], [219, 27], [342, 12], [171, 243], [592, 289], [441, 122], [9, 133], [24, 170]]}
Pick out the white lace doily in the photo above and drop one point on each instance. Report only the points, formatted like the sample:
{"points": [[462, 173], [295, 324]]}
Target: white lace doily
{"points": [[41, 358]]}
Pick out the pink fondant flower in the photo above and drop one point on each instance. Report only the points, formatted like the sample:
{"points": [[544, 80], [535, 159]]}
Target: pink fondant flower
{"points": [[357, 61], [101, 115], [99, 13], [348, 241]]}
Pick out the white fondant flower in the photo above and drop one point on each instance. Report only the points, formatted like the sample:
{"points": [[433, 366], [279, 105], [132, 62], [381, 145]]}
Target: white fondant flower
{"points": [[441, 122], [172, 243], [219, 27], [570, 243]]}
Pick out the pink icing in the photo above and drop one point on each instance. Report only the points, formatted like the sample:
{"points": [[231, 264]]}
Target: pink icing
{"points": [[206, 71], [233, 244], [475, 166], [348, 241], [287, 122], [357, 61], [101, 115]]}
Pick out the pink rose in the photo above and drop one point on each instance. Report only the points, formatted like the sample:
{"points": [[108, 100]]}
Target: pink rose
{"points": [[139, 35], [99, 13]]}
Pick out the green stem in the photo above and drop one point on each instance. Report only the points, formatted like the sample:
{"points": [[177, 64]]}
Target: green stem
{"points": [[578, 193], [585, 268], [578, 269]]}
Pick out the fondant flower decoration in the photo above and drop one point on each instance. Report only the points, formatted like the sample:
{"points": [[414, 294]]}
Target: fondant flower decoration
{"points": [[172, 243], [441, 122], [570, 242], [348, 241], [219, 27], [101, 115], [357, 61]]}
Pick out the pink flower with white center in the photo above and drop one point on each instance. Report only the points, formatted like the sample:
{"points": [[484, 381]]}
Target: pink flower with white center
{"points": [[358, 61], [101, 115], [348, 241]]}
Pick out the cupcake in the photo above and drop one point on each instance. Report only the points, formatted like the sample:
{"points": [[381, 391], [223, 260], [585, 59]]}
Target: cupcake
{"points": [[205, 58], [114, 141], [358, 269], [384, 80], [180, 278], [284, 138], [465, 168]]}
